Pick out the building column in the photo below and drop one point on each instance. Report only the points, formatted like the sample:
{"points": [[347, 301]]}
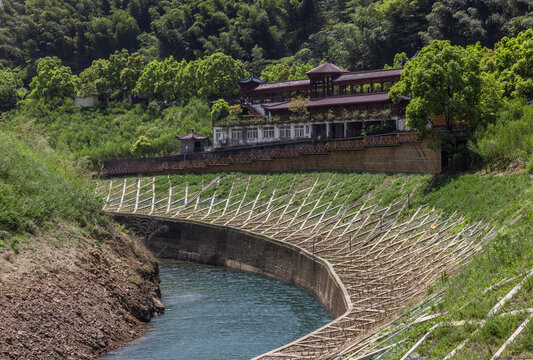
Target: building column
{"points": [[345, 128], [327, 130]]}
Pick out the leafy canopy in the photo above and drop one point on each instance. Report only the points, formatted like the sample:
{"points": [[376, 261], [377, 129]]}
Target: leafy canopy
{"points": [[220, 109], [9, 82], [443, 80], [53, 82]]}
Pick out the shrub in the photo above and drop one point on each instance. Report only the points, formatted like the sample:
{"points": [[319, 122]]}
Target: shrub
{"points": [[220, 109], [141, 147], [508, 140]]}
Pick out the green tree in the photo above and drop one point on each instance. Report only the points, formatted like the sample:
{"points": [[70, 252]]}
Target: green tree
{"points": [[298, 106], [218, 75], [126, 29], [512, 64], [130, 74], [53, 82], [9, 83], [141, 147], [162, 80], [189, 79], [443, 80], [220, 109], [96, 79], [286, 69], [399, 61]]}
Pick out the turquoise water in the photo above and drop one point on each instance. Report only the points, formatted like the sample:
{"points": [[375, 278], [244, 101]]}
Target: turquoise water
{"points": [[217, 313]]}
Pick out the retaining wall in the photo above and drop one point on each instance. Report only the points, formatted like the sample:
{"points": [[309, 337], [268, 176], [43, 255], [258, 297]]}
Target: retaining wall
{"points": [[225, 246], [400, 153]]}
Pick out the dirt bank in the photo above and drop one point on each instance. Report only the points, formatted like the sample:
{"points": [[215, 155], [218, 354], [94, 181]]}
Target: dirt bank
{"points": [[67, 295]]}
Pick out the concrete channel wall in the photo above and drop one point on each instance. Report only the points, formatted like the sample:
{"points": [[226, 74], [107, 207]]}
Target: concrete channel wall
{"points": [[238, 249]]}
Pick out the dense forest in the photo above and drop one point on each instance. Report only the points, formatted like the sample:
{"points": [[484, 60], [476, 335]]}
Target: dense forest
{"points": [[357, 34], [155, 63]]}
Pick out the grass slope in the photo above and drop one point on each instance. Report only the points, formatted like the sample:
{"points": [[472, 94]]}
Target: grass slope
{"points": [[503, 201]]}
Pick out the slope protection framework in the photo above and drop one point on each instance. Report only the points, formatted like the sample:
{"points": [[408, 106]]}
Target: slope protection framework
{"points": [[385, 252]]}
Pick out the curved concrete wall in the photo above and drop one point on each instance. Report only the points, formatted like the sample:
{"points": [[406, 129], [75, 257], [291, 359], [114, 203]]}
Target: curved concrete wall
{"points": [[226, 246]]}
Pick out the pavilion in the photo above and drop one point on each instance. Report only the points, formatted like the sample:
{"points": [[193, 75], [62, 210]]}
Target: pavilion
{"points": [[332, 103]]}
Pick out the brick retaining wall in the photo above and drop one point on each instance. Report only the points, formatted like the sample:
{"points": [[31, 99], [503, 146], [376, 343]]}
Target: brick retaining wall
{"points": [[394, 153]]}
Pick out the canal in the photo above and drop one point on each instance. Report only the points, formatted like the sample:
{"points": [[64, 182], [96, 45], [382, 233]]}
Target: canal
{"points": [[216, 313]]}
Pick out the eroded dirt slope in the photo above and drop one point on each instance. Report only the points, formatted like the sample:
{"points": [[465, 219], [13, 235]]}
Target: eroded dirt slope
{"points": [[69, 296]]}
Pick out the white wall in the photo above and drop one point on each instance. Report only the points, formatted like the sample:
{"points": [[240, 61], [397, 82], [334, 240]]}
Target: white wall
{"points": [[86, 101]]}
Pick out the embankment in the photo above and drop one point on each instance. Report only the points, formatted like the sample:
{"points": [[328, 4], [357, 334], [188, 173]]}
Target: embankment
{"points": [[67, 295], [226, 246]]}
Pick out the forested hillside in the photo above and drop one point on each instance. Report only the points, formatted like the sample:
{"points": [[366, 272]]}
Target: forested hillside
{"points": [[357, 34]]}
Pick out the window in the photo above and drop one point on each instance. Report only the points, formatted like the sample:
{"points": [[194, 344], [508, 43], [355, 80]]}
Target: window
{"points": [[236, 134], [285, 132], [220, 134], [268, 132], [299, 131], [251, 133]]}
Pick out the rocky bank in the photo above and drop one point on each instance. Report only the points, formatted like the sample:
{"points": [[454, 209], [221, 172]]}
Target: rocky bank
{"points": [[69, 295]]}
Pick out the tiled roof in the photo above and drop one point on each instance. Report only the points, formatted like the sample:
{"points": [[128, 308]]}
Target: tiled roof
{"points": [[252, 78], [287, 84], [192, 136], [338, 100], [326, 68], [368, 75]]}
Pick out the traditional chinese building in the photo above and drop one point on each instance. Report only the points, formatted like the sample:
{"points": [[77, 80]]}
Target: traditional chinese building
{"points": [[331, 103], [192, 143]]}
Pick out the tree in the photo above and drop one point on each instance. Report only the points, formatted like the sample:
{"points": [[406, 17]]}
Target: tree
{"points": [[96, 79], [131, 73], [218, 75], [298, 106], [220, 109], [511, 64], [286, 69], [9, 83], [162, 80], [467, 21], [53, 81], [141, 147], [399, 61], [126, 29], [443, 80]]}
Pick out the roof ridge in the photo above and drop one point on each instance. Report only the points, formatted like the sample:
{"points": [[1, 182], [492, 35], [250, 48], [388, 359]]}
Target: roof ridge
{"points": [[282, 81], [370, 71]]}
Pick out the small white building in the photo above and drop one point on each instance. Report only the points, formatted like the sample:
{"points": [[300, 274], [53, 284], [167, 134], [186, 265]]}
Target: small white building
{"points": [[88, 101]]}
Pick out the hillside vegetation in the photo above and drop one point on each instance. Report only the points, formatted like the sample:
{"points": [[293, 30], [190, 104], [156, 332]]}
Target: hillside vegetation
{"points": [[503, 202], [36, 189], [359, 34], [70, 281], [96, 134]]}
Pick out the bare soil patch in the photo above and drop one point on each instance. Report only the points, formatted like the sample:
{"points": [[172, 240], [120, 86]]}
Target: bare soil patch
{"points": [[75, 297]]}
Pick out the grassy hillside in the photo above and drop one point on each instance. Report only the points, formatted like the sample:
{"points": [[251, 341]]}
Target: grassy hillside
{"points": [[63, 264], [97, 134], [504, 202], [38, 188]]}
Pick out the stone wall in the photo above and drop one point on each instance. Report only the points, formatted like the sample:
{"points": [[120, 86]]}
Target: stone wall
{"points": [[407, 157], [225, 246]]}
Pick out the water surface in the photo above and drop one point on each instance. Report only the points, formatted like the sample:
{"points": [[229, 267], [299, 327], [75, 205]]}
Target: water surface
{"points": [[217, 313]]}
